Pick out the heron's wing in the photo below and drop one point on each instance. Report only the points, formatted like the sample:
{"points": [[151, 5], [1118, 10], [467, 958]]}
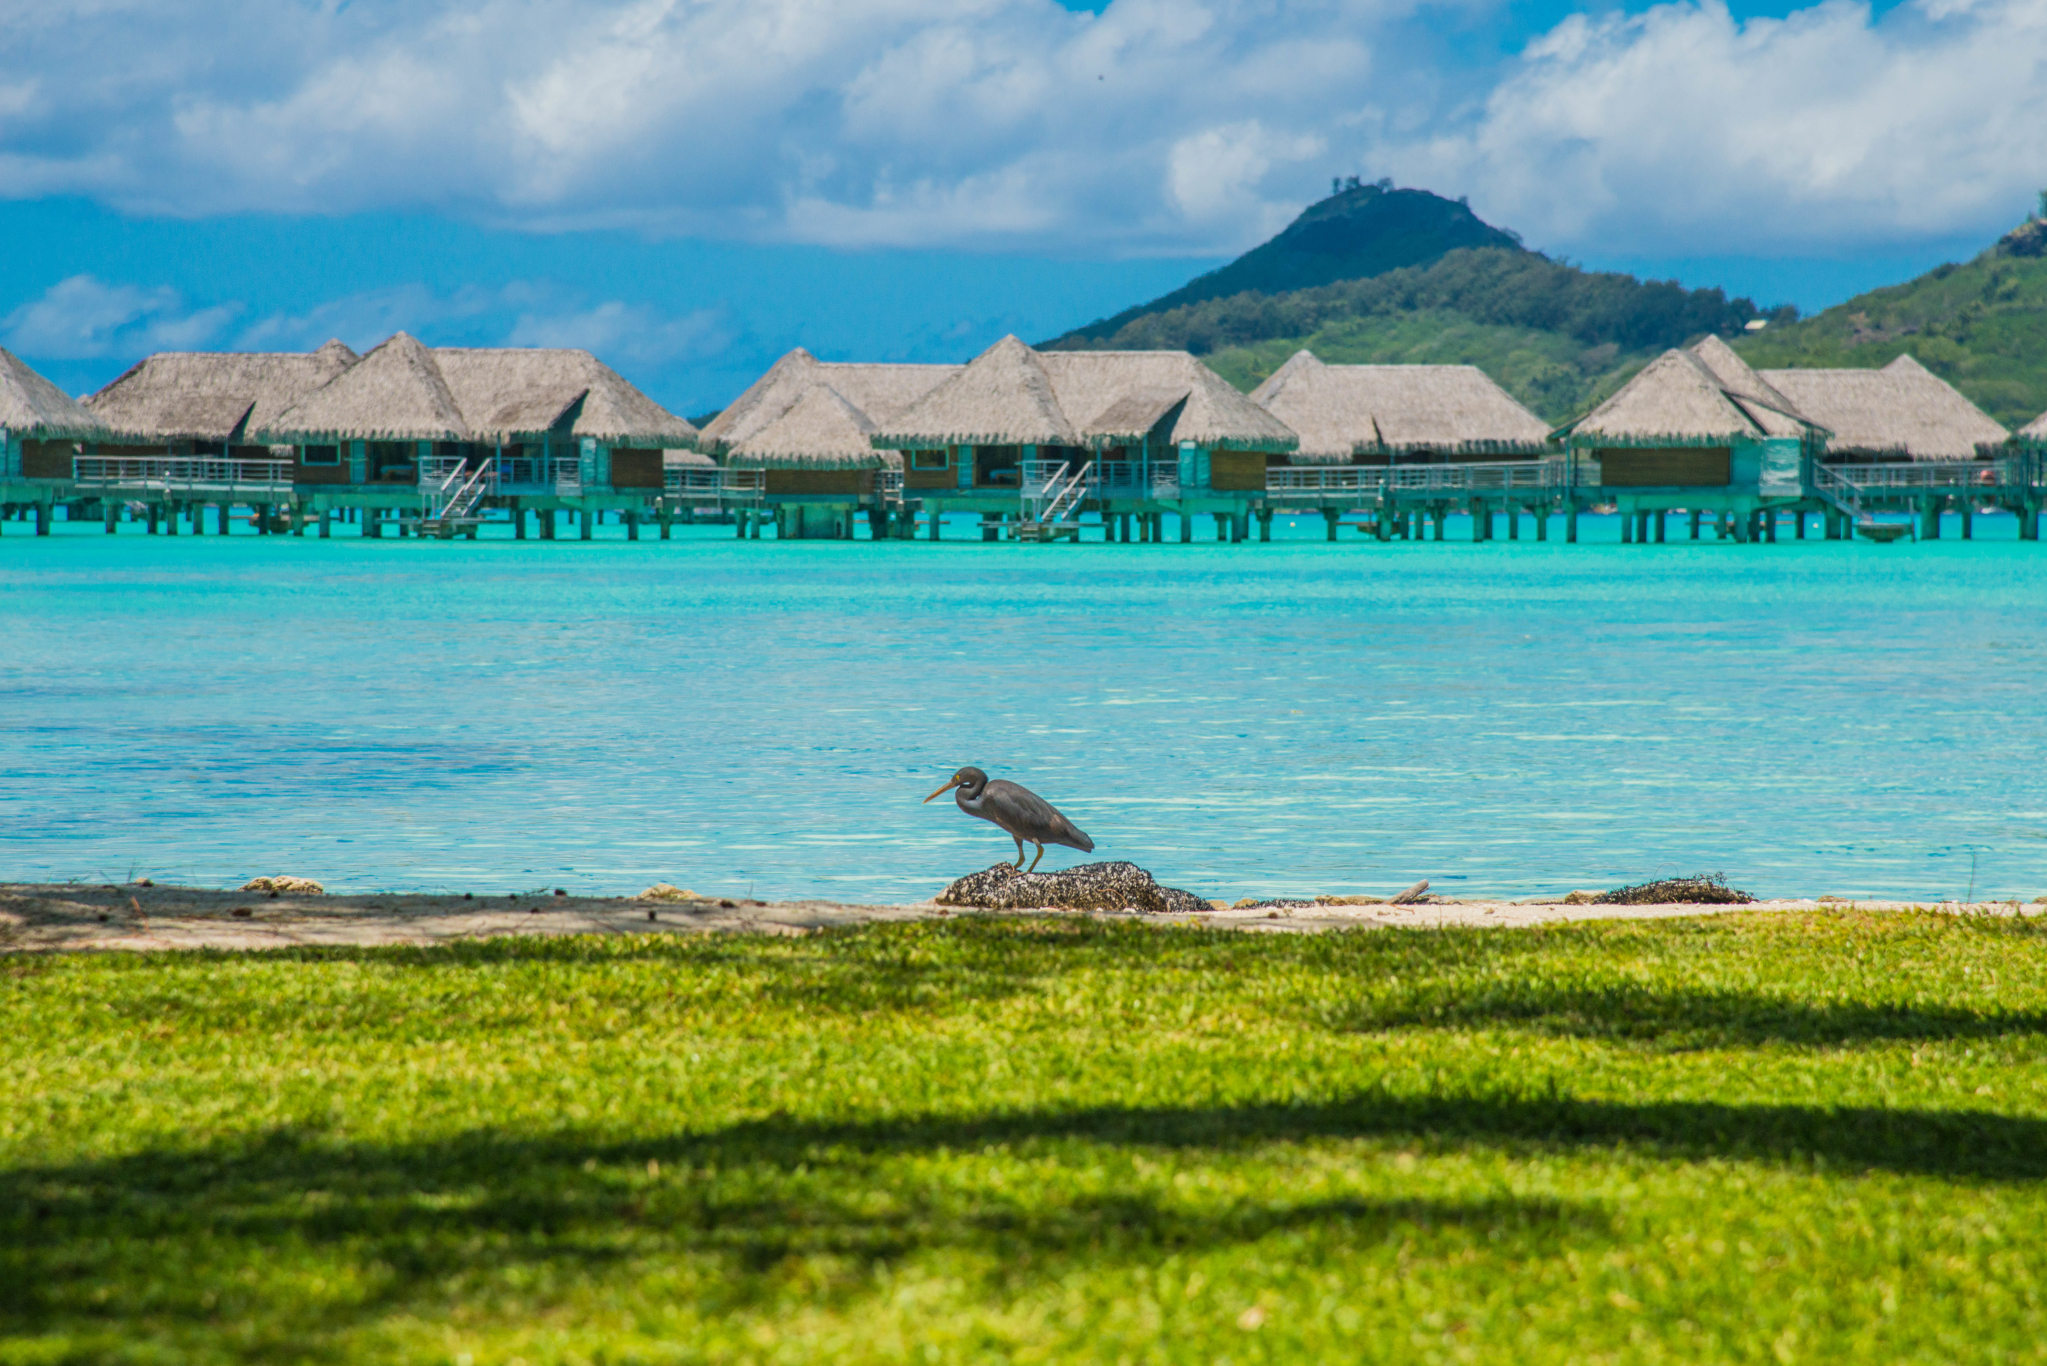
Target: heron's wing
{"points": [[1022, 811]]}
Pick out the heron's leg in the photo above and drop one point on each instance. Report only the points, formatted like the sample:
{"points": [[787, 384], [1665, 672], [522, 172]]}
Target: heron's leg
{"points": [[1034, 862], [1019, 850]]}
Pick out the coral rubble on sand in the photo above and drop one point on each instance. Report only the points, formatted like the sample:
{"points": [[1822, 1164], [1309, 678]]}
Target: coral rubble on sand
{"points": [[663, 891], [1090, 887], [303, 886], [1705, 890]]}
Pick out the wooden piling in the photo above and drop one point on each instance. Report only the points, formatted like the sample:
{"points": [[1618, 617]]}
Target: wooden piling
{"points": [[1571, 525], [1264, 524]]}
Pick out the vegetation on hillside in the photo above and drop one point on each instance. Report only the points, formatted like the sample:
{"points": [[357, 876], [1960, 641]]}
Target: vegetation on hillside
{"points": [[1811, 1137], [1359, 231], [1981, 326], [1555, 336]]}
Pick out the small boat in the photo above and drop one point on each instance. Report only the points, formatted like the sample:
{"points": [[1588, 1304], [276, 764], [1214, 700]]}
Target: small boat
{"points": [[1883, 533]]}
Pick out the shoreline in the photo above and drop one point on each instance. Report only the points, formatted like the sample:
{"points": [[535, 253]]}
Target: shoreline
{"points": [[80, 917]]}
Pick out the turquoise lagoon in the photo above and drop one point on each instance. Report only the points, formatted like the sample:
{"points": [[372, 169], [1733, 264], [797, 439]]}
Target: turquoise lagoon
{"points": [[1291, 718]]}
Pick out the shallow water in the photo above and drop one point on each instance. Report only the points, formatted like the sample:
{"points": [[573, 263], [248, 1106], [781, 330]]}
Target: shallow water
{"points": [[755, 717]]}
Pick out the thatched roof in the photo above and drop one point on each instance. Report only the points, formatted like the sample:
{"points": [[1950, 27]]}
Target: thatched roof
{"points": [[1003, 397], [1901, 410], [1707, 396], [510, 392], [1344, 411], [402, 391], [764, 422], [395, 393], [1010, 395], [214, 395], [33, 407], [820, 430]]}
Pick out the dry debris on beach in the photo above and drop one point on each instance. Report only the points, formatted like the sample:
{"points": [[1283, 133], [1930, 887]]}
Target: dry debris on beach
{"points": [[63, 917]]}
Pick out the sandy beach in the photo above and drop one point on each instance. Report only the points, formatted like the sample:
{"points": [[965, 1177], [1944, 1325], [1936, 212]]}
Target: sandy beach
{"points": [[68, 917]]}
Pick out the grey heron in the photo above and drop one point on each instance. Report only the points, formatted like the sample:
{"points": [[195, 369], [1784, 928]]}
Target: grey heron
{"points": [[1018, 810]]}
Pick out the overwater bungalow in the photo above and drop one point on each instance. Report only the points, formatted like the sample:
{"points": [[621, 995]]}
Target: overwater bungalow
{"points": [[43, 430], [1901, 412], [803, 432], [445, 431], [1696, 430], [1035, 437], [181, 428], [1398, 414]]}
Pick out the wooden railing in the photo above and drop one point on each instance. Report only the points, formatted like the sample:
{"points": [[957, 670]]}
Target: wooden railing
{"points": [[178, 473], [1373, 481], [715, 485]]}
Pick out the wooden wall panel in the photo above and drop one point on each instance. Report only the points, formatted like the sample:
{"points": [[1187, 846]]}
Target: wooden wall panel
{"points": [[851, 483], [47, 459], [632, 469], [1237, 470], [1657, 467]]}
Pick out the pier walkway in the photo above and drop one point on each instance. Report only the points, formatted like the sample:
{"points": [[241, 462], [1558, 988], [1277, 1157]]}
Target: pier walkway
{"points": [[1048, 500]]}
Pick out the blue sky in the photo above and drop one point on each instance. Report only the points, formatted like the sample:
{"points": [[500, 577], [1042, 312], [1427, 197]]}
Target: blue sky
{"points": [[690, 187]]}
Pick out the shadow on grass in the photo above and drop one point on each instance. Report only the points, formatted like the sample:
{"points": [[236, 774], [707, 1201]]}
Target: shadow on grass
{"points": [[770, 1216], [781, 1211], [1675, 1017]]}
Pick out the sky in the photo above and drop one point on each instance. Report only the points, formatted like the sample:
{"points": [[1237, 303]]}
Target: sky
{"points": [[691, 187]]}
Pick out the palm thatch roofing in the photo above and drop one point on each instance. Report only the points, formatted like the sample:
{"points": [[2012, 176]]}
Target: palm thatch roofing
{"points": [[1707, 396], [1344, 411], [509, 392], [1011, 395], [403, 391], [2034, 431], [1902, 410], [33, 407], [39, 410], [214, 395], [813, 414]]}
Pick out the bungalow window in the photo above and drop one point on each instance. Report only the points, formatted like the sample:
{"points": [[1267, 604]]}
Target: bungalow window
{"points": [[392, 461], [928, 460], [319, 455]]}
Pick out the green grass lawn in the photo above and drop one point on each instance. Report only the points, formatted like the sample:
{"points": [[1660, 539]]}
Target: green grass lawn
{"points": [[1759, 1138]]}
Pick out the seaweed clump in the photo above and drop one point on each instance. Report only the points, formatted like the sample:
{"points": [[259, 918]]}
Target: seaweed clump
{"points": [[1707, 889]]}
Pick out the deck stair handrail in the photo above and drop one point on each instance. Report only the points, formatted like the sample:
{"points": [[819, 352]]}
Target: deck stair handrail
{"points": [[1851, 488], [1066, 497], [183, 474], [1053, 489]]}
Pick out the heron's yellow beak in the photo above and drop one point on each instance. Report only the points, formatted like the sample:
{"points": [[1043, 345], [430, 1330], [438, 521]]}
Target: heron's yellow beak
{"points": [[942, 791]]}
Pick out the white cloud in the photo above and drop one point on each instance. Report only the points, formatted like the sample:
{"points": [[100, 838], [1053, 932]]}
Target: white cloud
{"points": [[1682, 130], [82, 317], [625, 333], [1158, 126], [1000, 123]]}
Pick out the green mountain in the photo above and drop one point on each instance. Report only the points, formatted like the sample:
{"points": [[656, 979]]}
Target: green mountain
{"points": [[1359, 231], [1557, 337], [1981, 326]]}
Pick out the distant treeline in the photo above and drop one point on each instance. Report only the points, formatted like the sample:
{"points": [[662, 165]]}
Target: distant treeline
{"points": [[1491, 285]]}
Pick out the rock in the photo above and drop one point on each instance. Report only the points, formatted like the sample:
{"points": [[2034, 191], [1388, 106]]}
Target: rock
{"points": [[301, 886], [1090, 887], [662, 891], [1357, 900]]}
